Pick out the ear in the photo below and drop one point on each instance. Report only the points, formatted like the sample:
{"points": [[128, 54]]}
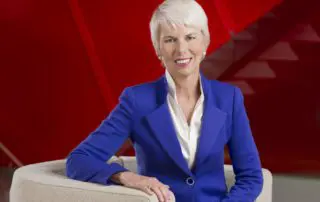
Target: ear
{"points": [[206, 41], [162, 63], [203, 55]]}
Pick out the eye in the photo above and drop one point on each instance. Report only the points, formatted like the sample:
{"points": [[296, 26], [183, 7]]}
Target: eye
{"points": [[189, 38], [169, 40]]}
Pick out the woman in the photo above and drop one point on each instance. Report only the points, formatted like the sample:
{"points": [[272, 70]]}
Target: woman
{"points": [[179, 124]]}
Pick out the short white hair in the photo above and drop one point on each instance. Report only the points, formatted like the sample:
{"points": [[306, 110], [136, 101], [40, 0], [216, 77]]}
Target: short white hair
{"points": [[178, 12]]}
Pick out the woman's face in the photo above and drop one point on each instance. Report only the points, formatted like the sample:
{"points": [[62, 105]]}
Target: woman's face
{"points": [[181, 49]]}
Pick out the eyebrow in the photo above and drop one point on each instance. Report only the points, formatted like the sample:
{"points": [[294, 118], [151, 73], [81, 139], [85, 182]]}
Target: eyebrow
{"points": [[192, 33], [168, 37]]}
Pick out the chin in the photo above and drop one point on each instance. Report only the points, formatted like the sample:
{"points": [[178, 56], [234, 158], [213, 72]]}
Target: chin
{"points": [[187, 71]]}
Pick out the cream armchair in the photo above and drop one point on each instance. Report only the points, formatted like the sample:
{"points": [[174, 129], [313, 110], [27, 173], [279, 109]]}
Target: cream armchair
{"points": [[47, 182]]}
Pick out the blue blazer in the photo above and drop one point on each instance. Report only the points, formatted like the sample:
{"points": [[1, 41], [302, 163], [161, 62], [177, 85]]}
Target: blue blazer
{"points": [[143, 116]]}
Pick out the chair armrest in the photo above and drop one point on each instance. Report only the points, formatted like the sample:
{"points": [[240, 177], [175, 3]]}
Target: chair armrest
{"points": [[129, 162], [266, 193], [47, 181]]}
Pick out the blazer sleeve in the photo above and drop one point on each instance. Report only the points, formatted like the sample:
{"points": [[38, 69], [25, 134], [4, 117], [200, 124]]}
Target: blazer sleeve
{"points": [[244, 156], [87, 162]]}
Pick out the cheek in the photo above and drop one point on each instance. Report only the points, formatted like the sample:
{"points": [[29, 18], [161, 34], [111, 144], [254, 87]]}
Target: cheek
{"points": [[198, 54], [166, 50], [197, 50]]}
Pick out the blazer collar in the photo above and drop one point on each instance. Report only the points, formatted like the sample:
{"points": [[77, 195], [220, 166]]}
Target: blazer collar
{"points": [[213, 120], [163, 129]]}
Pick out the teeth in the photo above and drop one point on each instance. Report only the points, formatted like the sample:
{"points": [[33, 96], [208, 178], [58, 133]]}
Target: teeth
{"points": [[182, 61]]}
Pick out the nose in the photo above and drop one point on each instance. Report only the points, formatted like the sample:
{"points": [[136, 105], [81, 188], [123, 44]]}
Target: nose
{"points": [[182, 46]]}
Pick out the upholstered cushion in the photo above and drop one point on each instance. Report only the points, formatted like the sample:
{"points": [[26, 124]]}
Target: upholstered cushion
{"points": [[47, 182]]}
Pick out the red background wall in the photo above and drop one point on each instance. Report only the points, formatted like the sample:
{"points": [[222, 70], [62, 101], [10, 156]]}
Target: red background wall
{"points": [[64, 63]]}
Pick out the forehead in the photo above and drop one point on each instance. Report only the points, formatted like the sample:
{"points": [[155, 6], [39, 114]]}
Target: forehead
{"points": [[176, 30]]}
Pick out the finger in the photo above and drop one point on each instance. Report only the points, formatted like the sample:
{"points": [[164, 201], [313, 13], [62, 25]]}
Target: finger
{"points": [[147, 190], [165, 192], [158, 192], [171, 195]]}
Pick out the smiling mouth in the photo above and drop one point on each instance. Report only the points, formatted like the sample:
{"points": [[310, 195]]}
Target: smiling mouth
{"points": [[183, 62]]}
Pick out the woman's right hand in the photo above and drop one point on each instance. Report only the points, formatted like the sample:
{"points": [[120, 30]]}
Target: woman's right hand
{"points": [[149, 185]]}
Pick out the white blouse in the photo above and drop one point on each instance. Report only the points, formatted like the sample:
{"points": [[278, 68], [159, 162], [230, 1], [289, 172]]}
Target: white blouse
{"points": [[188, 135]]}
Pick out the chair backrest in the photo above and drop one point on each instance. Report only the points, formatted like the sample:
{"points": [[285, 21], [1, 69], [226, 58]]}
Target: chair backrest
{"points": [[129, 162]]}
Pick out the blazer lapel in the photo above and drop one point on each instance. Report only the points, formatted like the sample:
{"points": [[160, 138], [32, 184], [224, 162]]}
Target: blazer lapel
{"points": [[162, 127], [213, 120]]}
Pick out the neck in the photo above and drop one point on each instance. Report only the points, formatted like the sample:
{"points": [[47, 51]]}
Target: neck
{"points": [[188, 87]]}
